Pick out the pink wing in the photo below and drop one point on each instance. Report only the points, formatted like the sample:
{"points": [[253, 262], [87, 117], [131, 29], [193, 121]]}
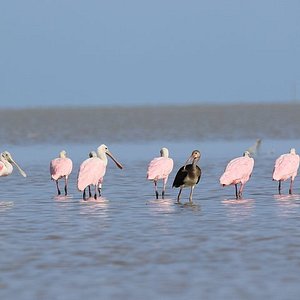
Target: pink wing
{"points": [[238, 170], [90, 172], [60, 167], [160, 168], [286, 166]]}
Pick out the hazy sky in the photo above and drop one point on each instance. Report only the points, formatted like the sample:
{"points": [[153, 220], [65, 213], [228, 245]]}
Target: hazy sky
{"points": [[78, 52]]}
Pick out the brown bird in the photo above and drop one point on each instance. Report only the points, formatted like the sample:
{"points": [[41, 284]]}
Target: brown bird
{"points": [[188, 175]]}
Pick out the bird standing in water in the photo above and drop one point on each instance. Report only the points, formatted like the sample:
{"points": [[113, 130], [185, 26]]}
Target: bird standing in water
{"points": [[160, 168], [93, 169], [6, 162], [238, 170], [286, 166], [61, 167], [188, 175]]}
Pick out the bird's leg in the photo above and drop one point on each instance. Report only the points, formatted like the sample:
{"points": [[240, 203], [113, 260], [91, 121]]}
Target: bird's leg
{"points": [[236, 191], [96, 188], [178, 197], [156, 191], [90, 193], [99, 189], [279, 187], [240, 194], [83, 195], [291, 187], [191, 194], [58, 191], [164, 187], [66, 185]]}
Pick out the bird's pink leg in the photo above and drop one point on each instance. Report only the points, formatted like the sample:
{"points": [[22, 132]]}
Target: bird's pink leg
{"points": [[58, 191], [155, 186], [291, 187]]}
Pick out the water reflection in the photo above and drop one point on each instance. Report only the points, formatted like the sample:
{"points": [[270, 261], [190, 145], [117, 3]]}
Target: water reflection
{"points": [[5, 205], [62, 198], [191, 205], [287, 204], [239, 208], [161, 205], [93, 206]]}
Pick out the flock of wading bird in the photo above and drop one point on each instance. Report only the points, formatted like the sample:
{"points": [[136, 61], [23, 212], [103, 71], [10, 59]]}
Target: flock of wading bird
{"points": [[92, 171]]}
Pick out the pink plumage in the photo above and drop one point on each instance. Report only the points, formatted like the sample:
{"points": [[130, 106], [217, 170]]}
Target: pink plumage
{"points": [[286, 166], [160, 168], [91, 171], [238, 170], [61, 167]]}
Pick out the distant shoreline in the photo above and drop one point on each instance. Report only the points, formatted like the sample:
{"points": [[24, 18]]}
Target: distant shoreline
{"points": [[150, 106], [148, 123]]}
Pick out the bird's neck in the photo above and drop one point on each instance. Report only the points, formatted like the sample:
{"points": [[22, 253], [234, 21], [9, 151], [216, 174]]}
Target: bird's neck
{"points": [[103, 157]]}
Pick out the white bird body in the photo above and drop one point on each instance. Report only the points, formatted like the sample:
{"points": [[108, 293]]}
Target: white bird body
{"points": [[6, 167]]}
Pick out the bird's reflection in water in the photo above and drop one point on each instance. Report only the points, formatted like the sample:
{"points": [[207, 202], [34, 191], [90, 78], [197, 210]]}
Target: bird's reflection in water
{"points": [[287, 204], [93, 206], [62, 197], [189, 205], [5, 205], [239, 208], [161, 205]]}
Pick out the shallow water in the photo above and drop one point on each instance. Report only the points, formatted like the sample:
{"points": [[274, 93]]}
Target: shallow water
{"points": [[129, 245]]}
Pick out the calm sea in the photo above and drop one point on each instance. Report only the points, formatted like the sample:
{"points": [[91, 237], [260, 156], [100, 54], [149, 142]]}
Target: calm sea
{"points": [[128, 245]]}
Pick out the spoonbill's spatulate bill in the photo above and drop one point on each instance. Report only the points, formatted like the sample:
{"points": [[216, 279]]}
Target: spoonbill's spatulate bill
{"points": [[61, 167], [6, 165], [92, 171], [286, 166], [238, 170], [160, 168], [188, 175]]}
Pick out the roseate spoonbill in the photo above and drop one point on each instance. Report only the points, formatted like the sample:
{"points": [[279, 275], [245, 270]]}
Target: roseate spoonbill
{"points": [[160, 168], [286, 166], [238, 170], [92, 170], [188, 175], [6, 162], [61, 167]]}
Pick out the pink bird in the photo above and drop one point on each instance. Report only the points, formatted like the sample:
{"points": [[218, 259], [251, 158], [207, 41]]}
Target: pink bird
{"points": [[61, 167], [92, 171], [160, 168], [238, 170], [286, 166]]}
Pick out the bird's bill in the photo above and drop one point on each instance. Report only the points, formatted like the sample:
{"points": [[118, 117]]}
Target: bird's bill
{"points": [[115, 161], [17, 166], [188, 160]]}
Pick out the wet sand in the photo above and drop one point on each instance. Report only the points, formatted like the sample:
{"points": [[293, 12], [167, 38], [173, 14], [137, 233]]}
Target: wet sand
{"points": [[120, 124]]}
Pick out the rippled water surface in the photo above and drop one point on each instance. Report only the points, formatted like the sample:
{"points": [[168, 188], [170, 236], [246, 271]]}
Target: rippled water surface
{"points": [[129, 245]]}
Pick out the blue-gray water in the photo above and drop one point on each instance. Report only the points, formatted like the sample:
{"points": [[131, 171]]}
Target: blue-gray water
{"points": [[132, 246]]}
